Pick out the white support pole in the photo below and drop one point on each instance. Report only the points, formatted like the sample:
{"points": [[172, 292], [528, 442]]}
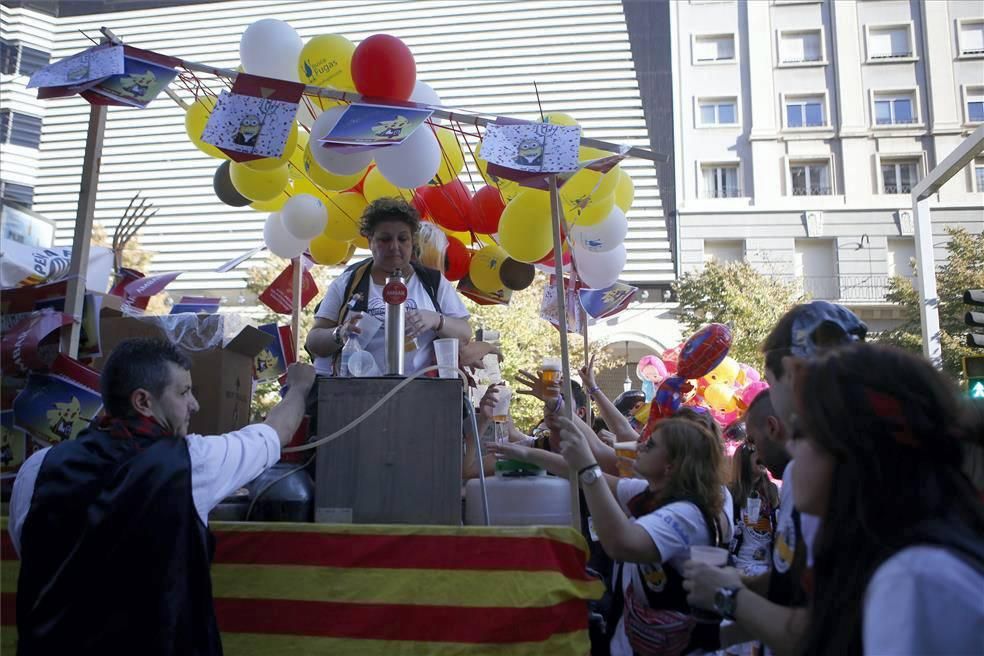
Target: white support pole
{"points": [[295, 311], [565, 354], [929, 302], [79, 264]]}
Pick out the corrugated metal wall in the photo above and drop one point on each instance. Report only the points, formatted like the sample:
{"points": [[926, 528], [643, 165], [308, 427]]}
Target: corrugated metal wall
{"points": [[482, 56]]}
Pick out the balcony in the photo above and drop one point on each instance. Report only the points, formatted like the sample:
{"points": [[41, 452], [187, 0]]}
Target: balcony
{"points": [[813, 190], [898, 189], [723, 192], [842, 289]]}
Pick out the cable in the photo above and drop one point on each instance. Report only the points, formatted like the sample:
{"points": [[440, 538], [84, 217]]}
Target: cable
{"points": [[263, 490]]}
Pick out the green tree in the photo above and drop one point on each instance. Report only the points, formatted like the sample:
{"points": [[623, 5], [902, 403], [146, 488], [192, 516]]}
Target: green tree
{"points": [[737, 294], [963, 269]]}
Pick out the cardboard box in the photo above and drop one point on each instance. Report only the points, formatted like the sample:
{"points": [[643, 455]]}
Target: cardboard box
{"points": [[222, 361]]}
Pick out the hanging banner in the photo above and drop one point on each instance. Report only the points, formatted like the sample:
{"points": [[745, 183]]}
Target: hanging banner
{"points": [[272, 362], [279, 296], [532, 147], [576, 317], [467, 288], [16, 305], [80, 70], [602, 303], [22, 265], [58, 405], [255, 119], [19, 346], [145, 74], [362, 124], [137, 292]]}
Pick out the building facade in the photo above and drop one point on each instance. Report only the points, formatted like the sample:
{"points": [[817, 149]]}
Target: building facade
{"points": [[800, 127]]}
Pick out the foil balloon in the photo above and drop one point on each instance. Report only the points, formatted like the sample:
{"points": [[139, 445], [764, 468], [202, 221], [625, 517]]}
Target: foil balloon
{"points": [[668, 399], [704, 351], [670, 357], [748, 393], [651, 368], [725, 373]]}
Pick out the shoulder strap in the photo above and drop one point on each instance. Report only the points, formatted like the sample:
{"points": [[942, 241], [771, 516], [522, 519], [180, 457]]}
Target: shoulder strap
{"points": [[431, 280], [357, 282], [955, 538]]}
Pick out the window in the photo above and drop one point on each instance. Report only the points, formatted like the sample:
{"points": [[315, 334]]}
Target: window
{"points": [[899, 176], [20, 129], [805, 112], [724, 251], [718, 111], [720, 181], [800, 47], [979, 176], [810, 178], [17, 193], [894, 109], [890, 42], [8, 57], [971, 35], [975, 104], [16, 58], [710, 48], [901, 254]]}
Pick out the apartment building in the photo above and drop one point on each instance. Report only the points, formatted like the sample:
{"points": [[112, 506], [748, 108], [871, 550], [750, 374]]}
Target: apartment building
{"points": [[800, 126]]}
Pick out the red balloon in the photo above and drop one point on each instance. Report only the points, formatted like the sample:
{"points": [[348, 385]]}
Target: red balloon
{"points": [[456, 260], [383, 66], [705, 350], [448, 204], [486, 210]]}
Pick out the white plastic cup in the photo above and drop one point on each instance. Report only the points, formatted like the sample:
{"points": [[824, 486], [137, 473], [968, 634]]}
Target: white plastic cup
{"points": [[500, 413], [369, 325], [713, 556], [362, 365], [752, 508], [446, 351]]}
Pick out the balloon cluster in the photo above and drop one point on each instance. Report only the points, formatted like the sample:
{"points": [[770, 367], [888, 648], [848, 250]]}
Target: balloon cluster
{"points": [[316, 194], [699, 373]]}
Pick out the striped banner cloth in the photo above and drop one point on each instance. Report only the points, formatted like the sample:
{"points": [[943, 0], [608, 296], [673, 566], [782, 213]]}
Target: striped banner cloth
{"points": [[371, 590]]}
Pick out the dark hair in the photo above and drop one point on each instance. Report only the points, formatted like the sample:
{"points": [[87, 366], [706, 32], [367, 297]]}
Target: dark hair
{"points": [[580, 399], [599, 424], [742, 474], [891, 422], [625, 401], [389, 209], [137, 364], [760, 408]]}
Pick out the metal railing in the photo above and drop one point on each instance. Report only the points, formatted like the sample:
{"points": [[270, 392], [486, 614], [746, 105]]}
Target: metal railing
{"points": [[723, 192], [845, 289], [812, 190], [896, 121], [898, 189]]}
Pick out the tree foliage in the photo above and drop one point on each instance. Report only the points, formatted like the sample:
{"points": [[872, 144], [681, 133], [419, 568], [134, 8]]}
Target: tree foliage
{"points": [[735, 293], [963, 269]]}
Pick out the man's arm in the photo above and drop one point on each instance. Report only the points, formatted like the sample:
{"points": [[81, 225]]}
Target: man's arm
{"points": [[286, 416], [617, 422]]}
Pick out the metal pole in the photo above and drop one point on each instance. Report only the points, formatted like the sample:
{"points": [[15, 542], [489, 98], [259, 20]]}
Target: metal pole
{"points": [[295, 311], [79, 265], [565, 355], [929, 302]]}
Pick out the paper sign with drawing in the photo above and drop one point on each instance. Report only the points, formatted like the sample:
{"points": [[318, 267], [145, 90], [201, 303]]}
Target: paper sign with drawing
{"points": [[532, 147], [375, 125], [81, 69], [248, 124]]}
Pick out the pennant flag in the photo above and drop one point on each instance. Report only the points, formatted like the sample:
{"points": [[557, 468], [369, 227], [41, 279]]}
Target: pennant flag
{"points": [[79, 71], [279, 296], [19, 346], [56, 406], [602, 303], [381, 590], [272, 362], [145, 74], [255, 119], [532, 147], [197, 305], [577, 320], [137, 292], [468, 289], [17, 305]]}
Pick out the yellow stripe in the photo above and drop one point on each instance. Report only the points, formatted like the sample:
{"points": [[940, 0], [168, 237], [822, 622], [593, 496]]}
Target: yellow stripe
{"points": [[564, 534], [467, 588], [9, 570], [257, 644]]}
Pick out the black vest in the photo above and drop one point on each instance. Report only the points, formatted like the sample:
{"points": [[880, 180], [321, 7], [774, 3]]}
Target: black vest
{"points": [[114, 558]]}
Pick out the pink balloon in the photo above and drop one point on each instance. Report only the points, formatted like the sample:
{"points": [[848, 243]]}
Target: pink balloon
{"points": [[651, 368], [748, 393]]}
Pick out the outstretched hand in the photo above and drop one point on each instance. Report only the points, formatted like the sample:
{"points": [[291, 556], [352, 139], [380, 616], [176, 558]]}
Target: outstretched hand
{"points": [[573, 446], [587, 373], [534, 385]]}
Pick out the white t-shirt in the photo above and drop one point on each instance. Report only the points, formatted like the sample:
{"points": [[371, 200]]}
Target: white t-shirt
{"points": [[924, 600], [785, 543], [674, 528], [417, 298], [220, 465]]}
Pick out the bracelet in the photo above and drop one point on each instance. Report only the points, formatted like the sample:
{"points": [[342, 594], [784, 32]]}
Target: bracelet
{"points": [[584, 469], [594, 389], [337, 336], [440, 325]]}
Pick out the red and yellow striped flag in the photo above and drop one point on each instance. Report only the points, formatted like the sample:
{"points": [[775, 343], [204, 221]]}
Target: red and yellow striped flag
{"points": [[368, 590]]}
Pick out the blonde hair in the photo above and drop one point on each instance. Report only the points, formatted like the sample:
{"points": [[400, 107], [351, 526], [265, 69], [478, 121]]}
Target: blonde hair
{"points": [[698, 460]]}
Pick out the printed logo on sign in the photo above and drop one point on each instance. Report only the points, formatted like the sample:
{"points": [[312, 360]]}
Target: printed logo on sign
{"points": [[394, 293], [785, 549]]}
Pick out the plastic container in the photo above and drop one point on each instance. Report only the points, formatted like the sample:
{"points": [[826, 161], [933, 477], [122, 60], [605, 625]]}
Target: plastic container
{"points": [[520, 501]]}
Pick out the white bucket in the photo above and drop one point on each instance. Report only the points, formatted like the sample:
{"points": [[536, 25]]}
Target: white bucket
{"points": [[520, 501]]}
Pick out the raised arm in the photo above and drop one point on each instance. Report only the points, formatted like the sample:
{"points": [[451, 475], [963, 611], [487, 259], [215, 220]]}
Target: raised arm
{"points": [[616, 421], [286, 416]]}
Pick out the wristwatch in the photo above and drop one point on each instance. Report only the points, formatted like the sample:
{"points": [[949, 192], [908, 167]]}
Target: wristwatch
{"points": [[726, 602], [336, 334], [589, 474]]}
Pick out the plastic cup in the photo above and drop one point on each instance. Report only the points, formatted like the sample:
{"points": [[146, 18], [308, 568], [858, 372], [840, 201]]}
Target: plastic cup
{"points": [[625, 453], [446, 351], [500, 413], [713, 556], [550, 371], [752, 508], [362, 365], [369, 325]]}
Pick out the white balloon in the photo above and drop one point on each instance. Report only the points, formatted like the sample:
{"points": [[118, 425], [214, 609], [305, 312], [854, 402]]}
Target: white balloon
{"points": [[412, 163], [331, 159], [603, 236], [279, 241], [304, 216], [270, 47], [600, 270], [424, 94]]}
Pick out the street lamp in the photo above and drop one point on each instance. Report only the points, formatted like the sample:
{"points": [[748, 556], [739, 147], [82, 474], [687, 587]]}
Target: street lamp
{"points": [[627, 383]]}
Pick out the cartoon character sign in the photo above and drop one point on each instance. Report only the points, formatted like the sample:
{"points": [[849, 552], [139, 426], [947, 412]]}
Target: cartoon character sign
{"points": [[529, 152], [392, 129], [79, 70], [136, 85], [248, 131], [65, 419]]}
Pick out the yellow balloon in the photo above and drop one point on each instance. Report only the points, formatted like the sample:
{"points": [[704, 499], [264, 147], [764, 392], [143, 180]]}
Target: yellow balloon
{"points": [[463, 236], [484, 268], [361, 242], [376, 186], [326, 61], [587, 184], [720, 397], [624, 191], [525, 230], [727, 372], [344, 215], [328, 251], [268, 163], [275, 204], [258, 185], [452, 159], [558, 118], [592, 213], [305, 186], [327, 179], [195, 120], [508, 188], [296, 163]]}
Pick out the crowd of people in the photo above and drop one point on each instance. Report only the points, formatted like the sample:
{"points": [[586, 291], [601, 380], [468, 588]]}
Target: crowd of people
{"points": [[846, 522]]}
